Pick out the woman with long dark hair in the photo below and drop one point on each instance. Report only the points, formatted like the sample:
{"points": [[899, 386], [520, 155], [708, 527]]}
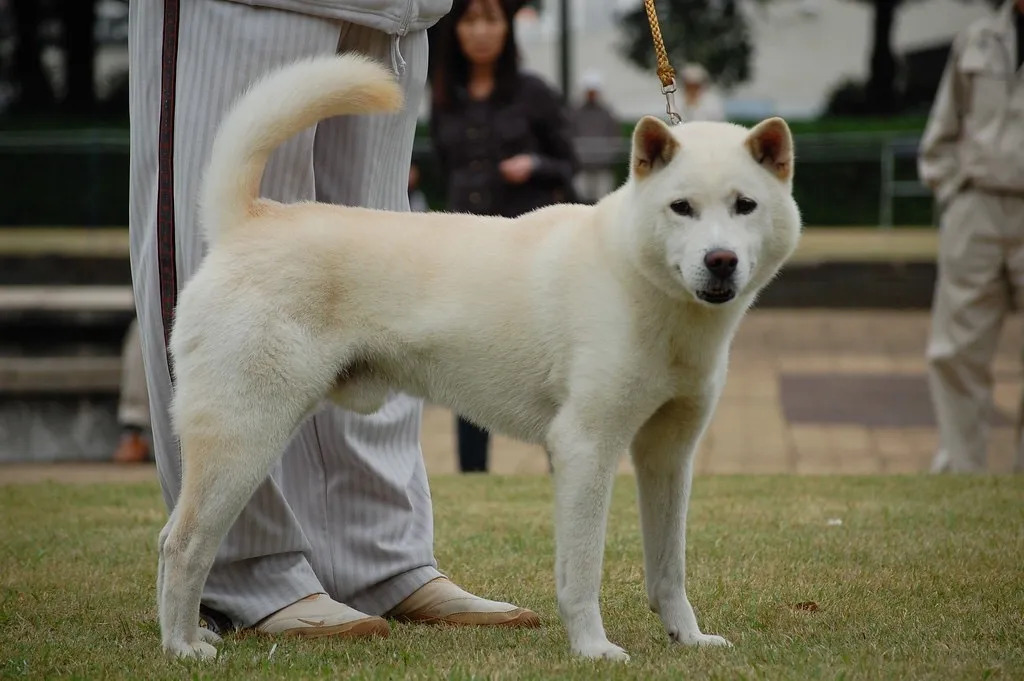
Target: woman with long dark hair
{"points": [[501, 136]]}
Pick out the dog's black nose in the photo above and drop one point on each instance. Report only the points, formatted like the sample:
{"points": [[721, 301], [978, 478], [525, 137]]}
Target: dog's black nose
{"points": [[721, 263]]}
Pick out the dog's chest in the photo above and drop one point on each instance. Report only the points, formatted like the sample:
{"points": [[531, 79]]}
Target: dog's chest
{"points": [[694, 369]]}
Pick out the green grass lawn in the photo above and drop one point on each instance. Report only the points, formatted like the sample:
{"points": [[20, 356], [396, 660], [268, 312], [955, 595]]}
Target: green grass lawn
{"points": [[923, 578]]}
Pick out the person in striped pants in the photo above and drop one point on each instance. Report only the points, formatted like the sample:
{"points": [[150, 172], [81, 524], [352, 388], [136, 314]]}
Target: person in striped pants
{"points": [[341, 531]]}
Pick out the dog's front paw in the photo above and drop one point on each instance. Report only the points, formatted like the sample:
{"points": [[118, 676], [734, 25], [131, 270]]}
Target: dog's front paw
{"points": [[698, 639], [198, 650], [601, 650]]}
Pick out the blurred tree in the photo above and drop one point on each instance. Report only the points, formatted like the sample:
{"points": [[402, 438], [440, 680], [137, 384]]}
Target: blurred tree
{"points": [[34, 89], [880, 89], [712, 33], [881, 94], [79, 20], [68, 25]]}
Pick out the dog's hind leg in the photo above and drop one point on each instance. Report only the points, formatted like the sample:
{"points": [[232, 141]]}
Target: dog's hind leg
{"points": [[202, 634], [214, 491], [663, 452], [231, 433]]}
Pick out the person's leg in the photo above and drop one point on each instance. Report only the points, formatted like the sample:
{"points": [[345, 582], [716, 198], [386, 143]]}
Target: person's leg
{"points": [[357, 483], [967, 314], [369, 515], [1018, 459], [133, 401], [1013, 221], [606, 183], [580, 183], [587, 185], [472, 443], [221, 47]]}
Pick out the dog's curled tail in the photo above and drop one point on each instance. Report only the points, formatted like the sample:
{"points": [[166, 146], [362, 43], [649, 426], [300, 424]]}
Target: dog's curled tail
{"points": [[276, 107]]}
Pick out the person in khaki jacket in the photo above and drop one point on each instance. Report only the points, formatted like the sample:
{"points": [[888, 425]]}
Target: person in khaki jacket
{"points": [[972, 156]]}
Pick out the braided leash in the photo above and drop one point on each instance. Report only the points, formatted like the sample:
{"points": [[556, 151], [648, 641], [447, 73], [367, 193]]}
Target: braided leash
{"points": [[666, 74]]}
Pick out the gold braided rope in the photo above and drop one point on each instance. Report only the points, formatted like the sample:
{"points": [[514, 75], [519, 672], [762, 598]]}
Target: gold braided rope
{"points": [[666, 74]]}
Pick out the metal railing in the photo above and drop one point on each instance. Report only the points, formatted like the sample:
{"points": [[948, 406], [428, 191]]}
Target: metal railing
{"points": [[884, 148]]}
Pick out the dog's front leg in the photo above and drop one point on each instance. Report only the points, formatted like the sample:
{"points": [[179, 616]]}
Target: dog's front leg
{"points": [[584, 466], [663, 453]]}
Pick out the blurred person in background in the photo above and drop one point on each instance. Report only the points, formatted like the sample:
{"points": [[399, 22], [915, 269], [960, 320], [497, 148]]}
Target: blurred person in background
{"points": [[972, 157], [597, 134], [133, 401], [417, 199], [700, 102], [501, 136]]}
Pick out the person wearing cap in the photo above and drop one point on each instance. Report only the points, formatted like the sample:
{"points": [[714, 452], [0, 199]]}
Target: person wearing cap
{"points": [[700, 103], [597, 135]]}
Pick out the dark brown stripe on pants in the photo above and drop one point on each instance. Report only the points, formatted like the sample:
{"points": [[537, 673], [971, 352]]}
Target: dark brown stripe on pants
{"points": [[165, 187]]}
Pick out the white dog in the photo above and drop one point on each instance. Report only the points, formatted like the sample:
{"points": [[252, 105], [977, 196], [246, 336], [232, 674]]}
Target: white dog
{"points": [[589, 330]]}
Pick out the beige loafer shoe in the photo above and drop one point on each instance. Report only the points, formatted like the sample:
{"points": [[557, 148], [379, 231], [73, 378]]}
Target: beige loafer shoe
{"points": [[441, 602], [319, 615]]}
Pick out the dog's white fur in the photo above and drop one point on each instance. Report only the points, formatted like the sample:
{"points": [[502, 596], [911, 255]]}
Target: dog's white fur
{"points": [[580, 328]]}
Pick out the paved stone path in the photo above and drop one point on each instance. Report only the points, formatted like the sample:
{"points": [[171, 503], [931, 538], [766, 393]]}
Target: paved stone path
{"points": [[809, 392]]}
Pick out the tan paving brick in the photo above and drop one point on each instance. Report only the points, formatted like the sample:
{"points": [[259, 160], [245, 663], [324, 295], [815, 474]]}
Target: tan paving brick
{"points": [[861, 463], [717, 467], [872, 364], [809, 363], [808, 438], [853, 364], [746, 459], [752, 379], [1006, 395], [1001, 450], [822, 449], [916, 462], [895, 442], [816, 467], [909, 364]]}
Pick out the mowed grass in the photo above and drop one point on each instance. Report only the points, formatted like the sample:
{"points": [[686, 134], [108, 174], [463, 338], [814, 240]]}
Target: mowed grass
{"points": [[923, 578]]}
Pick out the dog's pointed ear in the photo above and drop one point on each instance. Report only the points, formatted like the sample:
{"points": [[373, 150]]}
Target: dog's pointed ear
{"points": [[653, 146], [771, 145]]}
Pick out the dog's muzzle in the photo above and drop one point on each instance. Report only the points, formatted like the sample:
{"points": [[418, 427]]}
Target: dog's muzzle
{"points": [[721, 265]]}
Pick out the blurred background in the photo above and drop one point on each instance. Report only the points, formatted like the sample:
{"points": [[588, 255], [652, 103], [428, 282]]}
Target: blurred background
{"points": [[829, 373]]}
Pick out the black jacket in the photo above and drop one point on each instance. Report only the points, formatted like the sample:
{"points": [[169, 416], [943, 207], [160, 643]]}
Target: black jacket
{"points": [[472, 137]]}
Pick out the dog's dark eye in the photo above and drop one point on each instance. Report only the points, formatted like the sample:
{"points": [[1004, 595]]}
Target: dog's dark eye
{"points": [[745, 206], [683, 208]]}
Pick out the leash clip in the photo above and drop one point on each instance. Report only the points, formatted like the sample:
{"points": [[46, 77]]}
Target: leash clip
{"points": [[670, 102]]}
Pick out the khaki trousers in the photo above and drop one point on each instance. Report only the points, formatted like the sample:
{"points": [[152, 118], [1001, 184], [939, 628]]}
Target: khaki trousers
{"points": [[980, 280]]}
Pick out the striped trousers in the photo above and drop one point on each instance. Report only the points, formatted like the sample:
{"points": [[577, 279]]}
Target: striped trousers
{"points": [[347, 510]]}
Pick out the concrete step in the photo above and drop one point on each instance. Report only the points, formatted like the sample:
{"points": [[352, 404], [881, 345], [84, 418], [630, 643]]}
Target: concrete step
{"points": [[84, 299], [59, 375], [51, 313], [31, 256], [54, 427], [49, 321], [59, 408]]}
